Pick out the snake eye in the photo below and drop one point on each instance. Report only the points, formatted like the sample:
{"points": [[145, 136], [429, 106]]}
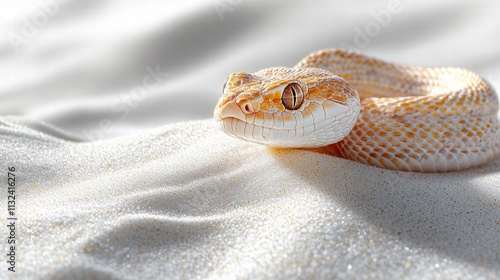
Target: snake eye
{"points": [[292, 96]]}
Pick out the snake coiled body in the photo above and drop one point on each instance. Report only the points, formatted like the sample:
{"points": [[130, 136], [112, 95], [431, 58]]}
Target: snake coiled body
{"points": [[367, 110]]}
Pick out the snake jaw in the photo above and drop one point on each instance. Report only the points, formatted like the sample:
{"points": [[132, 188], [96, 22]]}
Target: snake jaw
{"points": [[289, 129]]}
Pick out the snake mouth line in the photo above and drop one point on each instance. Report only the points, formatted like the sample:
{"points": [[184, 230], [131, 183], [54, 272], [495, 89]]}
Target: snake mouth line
{"points": [[313, 113]]}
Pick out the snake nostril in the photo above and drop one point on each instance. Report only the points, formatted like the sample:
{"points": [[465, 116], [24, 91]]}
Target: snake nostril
{"points": [[246, 107]]}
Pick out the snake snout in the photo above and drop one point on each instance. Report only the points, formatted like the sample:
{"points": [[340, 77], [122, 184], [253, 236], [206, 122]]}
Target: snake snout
{"points": [[230, 110]]}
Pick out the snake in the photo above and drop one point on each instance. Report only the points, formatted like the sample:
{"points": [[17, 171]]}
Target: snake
{"points": [[351, 105]]}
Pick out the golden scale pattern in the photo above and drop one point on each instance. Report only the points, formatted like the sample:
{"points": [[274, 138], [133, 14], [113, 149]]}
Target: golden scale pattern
{"points": [[414, 118]]}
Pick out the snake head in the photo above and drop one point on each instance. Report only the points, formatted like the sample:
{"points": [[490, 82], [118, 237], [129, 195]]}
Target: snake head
{"points": [[288, 107]]}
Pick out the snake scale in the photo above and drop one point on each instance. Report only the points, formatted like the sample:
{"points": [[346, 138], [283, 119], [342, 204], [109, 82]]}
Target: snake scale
{"points": [[367, 110]]}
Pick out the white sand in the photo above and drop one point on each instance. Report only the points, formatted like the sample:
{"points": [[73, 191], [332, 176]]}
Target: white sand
{"points": [[188, 201]]}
